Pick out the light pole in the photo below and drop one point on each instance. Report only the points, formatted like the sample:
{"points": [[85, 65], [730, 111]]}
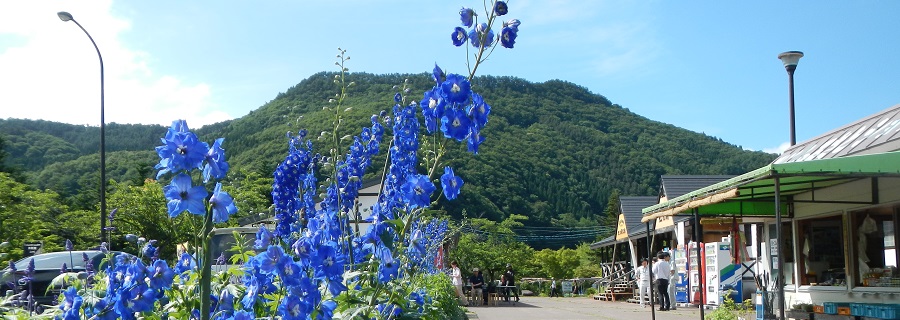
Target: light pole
{"points": [[790, 60], [65, 16]]}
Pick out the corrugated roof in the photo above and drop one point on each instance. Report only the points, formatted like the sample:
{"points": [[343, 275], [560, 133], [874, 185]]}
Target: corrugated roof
{"points": [[631, 207], [752, 193], [877, 133], [672, 186]]}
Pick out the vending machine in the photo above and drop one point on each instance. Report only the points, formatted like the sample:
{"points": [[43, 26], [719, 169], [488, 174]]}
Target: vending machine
{"points": [[695, 273], [722, 277], [681, 282]]}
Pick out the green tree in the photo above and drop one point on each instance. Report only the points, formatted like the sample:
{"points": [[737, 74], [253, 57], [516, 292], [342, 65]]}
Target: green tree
{"points": [[559, 264], [141, 210], [490, 246], [28, 215]]}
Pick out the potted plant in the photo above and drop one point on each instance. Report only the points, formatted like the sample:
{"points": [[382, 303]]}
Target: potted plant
{"points": [[801, 310]]}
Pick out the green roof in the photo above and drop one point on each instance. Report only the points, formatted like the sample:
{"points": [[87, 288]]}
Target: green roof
{"points": [[753, 193]]}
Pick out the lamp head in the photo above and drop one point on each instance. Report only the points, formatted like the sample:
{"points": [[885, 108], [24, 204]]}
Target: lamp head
{"points": [[64, 16], [790, 59]]}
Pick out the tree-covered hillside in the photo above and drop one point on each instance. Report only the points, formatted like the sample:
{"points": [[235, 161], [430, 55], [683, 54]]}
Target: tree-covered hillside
{"points": [[554, 150]]}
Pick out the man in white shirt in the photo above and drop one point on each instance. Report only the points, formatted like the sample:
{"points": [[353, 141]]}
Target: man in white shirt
{"points": [[642, 274], [672, 279], [662, 270]]}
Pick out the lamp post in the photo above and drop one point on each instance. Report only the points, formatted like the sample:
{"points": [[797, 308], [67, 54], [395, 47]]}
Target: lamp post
{"points": [[65, 16], [790, 60]]}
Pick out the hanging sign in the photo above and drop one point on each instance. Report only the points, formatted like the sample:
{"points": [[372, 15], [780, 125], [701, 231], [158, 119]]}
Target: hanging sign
{"points": [[621, 230]]}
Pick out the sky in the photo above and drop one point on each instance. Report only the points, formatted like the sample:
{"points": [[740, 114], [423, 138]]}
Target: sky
{"points": [[706, 66]]}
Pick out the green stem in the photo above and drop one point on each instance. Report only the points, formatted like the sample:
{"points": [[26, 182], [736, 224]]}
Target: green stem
{"points": [[206, 266]]}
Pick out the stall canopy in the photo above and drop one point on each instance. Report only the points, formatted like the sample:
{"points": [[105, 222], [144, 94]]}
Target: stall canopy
{"points": [[753, 193]]}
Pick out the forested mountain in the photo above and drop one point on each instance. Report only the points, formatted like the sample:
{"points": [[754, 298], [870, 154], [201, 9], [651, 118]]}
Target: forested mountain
{"points": [[554, 150]]}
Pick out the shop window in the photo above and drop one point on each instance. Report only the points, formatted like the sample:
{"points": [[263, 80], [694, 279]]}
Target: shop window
{"points": [[821, 251], [874, 247]]}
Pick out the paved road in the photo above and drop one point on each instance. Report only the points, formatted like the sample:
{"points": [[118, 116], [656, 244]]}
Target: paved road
{"points": [[533, 308]]}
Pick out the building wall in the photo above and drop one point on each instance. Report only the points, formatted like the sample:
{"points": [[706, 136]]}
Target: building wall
{"points": [[861, 191]]}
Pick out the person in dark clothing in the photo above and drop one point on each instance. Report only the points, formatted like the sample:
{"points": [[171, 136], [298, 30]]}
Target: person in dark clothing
{"points": [[510, 277], [477, 282]]}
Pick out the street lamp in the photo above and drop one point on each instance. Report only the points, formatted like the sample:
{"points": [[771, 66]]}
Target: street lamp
{"points": [[790, 60], [65, 16]]}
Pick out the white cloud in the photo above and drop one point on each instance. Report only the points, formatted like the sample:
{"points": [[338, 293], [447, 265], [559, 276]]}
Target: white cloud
{"points": [[54, 74], [779, 149]]}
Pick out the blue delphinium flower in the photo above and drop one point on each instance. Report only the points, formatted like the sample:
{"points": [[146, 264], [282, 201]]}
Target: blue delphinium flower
{"points": [[475, 139], [466, 16], [69, 246], [222, 205], [243, 315], [512, 23], [326, 310], [432, 105], [185, 263], [500, 8], [268, 260], [508, 37], [215, 167], [417, 243], [417, 191], [481, 35], [459, 36], [478, 111], [183, 197], [292, 308], [455, 124], [389, 267], [437, 74], [456, 89], [263, 238], [451, 183], [71, 303], [181, 150], [161, 275]]}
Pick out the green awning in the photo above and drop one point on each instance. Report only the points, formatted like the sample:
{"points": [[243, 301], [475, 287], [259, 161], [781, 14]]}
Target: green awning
{"points": [[753, 193]]}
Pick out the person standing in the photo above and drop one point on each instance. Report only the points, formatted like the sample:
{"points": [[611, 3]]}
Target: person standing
{"points": [[673, 279], [510, 277], [662, 270], [553, 288], [477, 282], [456, 279], [642, 274]]}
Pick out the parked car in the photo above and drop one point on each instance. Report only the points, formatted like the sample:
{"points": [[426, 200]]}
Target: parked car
{"points": [[47, 266]]}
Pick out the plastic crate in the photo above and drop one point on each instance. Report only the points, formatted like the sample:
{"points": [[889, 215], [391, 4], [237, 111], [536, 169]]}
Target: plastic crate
{"points": [[872, 310], [818, 309], [889, 311], [844, 311], [858, 309], [832, 307]]}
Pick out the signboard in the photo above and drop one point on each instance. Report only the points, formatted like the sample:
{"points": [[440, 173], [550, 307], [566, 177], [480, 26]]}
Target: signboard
{"points": [[32, 248], [664, 222], [621, 230], [567, 287]]}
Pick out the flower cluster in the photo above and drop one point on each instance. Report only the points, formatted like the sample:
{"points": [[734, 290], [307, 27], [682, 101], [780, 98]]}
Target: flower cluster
{"points": [[481, 35], [182, 152], [313, 264]]}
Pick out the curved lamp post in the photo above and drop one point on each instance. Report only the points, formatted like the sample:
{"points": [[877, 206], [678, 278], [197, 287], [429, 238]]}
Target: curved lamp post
{"points": [[65, 16]]}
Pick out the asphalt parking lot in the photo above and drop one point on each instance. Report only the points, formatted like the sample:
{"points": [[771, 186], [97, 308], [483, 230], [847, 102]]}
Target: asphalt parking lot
{"points": [[577, 308]]}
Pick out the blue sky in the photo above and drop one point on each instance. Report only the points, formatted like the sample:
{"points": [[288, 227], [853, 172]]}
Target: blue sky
{"points": [[707, 66]]}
